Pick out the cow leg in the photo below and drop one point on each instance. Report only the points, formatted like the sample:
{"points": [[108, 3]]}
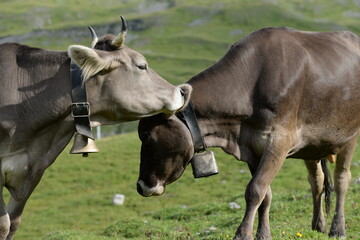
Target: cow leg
{"points": [[15, 209], [316, 180], [4, 216], [270, 164], [263, 230], [18, 199], [4, 220], [4, 226], [21, 183], [342, 176]]}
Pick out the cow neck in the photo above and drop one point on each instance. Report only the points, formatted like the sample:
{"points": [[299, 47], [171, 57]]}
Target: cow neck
{"points": [[80, 105], [200, 128], [219, 122], [188, 117]]}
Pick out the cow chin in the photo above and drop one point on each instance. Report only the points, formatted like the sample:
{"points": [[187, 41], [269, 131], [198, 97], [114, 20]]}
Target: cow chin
{"points": [[146, 191]]}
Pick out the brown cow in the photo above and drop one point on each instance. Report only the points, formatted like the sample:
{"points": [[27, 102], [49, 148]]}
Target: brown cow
{"points": [[277, 93], [36, 122]]}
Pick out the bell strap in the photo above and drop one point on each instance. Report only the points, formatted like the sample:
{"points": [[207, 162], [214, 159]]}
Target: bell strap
{"points": [[187, 115], [80, 106]]}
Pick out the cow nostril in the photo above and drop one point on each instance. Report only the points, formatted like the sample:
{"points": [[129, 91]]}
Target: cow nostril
{"points": [[139, 189]]}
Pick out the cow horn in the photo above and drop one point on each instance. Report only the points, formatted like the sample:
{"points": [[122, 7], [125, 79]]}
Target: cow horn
{"points": [[93, 36], [120, 38]]}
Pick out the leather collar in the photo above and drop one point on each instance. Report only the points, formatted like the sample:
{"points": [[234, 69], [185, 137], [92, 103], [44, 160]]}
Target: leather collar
{"points": [[80, 106], [188, 117]]}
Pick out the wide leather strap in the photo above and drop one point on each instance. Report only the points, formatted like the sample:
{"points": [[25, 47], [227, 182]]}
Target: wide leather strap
{"points": [[80, 106], [187, 115]]}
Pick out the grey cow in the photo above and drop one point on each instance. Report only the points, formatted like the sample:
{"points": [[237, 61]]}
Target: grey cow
{"points": [[277, 93], [35, 107]]}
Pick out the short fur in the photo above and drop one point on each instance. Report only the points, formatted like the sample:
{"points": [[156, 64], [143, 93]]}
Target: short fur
{"points": [[35, 108], [277, 93]]}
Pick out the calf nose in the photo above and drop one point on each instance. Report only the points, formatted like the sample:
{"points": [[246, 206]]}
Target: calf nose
{"points": [[142, 189], [146, 191]]}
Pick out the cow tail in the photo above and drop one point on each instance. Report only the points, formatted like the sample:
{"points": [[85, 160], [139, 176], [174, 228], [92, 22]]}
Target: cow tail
{"points": [[328, 185]]}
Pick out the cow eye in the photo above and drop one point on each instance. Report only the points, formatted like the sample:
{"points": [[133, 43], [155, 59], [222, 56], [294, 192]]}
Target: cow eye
{"points": [[143, 66]]}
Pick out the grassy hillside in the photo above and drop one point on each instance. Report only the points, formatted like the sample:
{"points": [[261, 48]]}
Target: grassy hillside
{"points": [[179, 38], [74, 200]]}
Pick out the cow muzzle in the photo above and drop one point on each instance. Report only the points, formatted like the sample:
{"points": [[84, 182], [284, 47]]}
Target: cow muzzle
{"points": [[146, 191]]}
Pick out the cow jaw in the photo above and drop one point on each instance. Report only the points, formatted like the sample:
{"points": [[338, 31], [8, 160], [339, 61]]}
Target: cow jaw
{"points": [[146, 191]]}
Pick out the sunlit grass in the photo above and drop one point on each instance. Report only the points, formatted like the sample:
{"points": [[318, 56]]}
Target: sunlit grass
{"points": [[73, 200]]}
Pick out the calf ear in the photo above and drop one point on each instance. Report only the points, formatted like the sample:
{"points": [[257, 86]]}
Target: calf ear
{"points": [[186, 91], [91, 61]]}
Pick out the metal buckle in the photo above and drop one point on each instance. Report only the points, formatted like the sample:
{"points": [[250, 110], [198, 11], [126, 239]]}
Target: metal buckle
{"points": [[80, 109]]}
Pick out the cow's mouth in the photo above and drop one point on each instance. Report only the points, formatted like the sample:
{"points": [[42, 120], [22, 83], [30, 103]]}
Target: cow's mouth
{"points": [[146, 191]]}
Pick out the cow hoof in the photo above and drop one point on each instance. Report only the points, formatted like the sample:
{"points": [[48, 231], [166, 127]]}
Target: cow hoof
{"points": [[337, 231], [320, 228], [243, 238], [335, 235], [263, 237]]}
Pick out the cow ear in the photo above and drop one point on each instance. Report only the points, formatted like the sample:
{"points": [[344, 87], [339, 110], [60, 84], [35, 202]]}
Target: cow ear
{"points": [[91, 61], [186, 91]]}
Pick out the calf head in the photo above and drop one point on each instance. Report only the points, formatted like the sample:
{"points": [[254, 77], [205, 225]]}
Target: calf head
{"points": [[166, 150], [120, 84]]}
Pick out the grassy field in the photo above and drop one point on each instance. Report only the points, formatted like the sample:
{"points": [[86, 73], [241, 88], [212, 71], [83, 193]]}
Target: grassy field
{"points": [[74, 200], [179, 38]]}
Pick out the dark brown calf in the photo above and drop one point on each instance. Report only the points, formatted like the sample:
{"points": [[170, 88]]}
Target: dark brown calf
{"points": [[277, 93]]}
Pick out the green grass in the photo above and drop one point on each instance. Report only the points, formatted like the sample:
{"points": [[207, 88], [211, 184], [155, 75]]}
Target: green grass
{"points": [[56, 14], [181, 38], [74, 200]]}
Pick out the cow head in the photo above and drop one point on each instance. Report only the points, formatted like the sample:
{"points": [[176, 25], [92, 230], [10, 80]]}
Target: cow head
{"points": [[120, 84], [166, 150]]}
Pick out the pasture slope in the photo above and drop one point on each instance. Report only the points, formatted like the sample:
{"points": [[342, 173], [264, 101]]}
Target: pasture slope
{"points": [[179, 39], [74, 200]]}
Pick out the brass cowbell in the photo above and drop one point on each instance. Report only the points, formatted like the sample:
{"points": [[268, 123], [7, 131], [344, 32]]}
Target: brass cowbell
{"points": [[204, 164], [84, 145]]}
